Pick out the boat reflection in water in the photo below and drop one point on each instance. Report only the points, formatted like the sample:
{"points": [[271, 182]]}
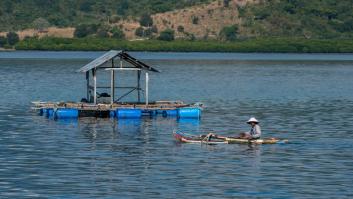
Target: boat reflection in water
{"points": [[68, 122], [188, 124], [129, 126]]}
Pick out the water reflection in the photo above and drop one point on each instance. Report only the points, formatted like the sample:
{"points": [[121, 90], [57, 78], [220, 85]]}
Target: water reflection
{"points": [[68, 122], [130, 126], [188, 125], [96, 130], [253, 152]]}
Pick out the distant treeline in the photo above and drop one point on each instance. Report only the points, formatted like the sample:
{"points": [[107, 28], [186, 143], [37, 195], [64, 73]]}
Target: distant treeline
{"points": [[280, 45]]}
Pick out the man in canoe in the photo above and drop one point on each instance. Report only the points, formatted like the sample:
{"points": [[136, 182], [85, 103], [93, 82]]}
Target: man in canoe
{"points": [[253, 134], [255, 131]]}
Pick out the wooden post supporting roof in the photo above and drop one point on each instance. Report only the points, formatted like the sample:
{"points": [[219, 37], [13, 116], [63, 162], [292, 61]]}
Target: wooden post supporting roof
{"points": [[146, 91], [138, 86], [87, 85], [94, 72], [112, 84]]}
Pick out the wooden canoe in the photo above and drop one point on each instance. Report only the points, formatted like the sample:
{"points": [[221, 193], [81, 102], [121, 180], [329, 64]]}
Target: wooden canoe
{"points": [[258, 141], [182, 137], [202, 139]]}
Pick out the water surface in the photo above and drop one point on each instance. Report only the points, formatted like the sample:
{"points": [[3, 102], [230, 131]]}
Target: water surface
{"points": [[307, 99]]}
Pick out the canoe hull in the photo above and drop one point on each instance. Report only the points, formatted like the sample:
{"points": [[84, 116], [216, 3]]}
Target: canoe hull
{"points": [[258, 141], [182, 137]]}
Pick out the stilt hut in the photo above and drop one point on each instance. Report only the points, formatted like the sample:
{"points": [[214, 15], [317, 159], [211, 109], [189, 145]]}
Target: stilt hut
{"points": [[115, 61], [110, 104]]}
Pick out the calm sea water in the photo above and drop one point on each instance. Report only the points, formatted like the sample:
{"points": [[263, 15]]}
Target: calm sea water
{"points": [[307, 99]]}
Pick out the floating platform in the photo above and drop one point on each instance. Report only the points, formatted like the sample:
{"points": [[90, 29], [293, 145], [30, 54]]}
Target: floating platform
{"points": [[99, 102], [63, 110]]}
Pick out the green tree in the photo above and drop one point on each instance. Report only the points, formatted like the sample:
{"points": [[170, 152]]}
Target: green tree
{"points": [[84, 30], [180, 28], [195, 20], [226, 3], [148, 32], [117, 33], [8, 6], [229, 33], [154, 29], [102, 33], [167, 35], [12, 38], [146, 20], [41, 24], [86, 6], [122, 7], [189, 36], [58, 20], [81, 31], [139, 32], [3, 41], [347, 25]]}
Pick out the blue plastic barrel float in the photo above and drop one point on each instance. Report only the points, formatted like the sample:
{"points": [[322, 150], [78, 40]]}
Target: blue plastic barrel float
{"points": [[47, 112], [153, 112], [41, 111], [172, 113], [63, 113], [159, 111], [150, 113], [128, 113], [112, 114], [189, 113]]}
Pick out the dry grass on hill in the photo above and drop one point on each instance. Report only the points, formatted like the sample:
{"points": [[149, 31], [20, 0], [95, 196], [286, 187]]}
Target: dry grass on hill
{"points": [[52, 32], [202, 21]]}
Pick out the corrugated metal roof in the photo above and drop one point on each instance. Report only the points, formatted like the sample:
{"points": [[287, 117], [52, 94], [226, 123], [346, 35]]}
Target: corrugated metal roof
{"points": [[100, 60], [136, 63], [111, 55]]}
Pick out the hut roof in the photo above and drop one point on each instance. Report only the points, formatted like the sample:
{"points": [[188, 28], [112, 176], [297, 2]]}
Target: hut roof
{"points": [[112, 54]]}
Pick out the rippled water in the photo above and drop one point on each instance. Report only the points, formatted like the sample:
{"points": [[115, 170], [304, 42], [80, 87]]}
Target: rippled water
{"points": [[307, 99]]}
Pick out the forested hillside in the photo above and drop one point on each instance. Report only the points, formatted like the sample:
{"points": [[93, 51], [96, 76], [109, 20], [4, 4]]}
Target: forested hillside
{"points": [[299, 18], [198, 19], [21, 14]]}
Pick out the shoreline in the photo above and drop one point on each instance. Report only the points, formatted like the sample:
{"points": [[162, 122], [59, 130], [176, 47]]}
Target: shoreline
{"points": [[266, 45], [185, 56]]}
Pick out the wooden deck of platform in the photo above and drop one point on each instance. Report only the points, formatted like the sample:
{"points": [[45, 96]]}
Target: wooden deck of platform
{"points": [[158, 105]]}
